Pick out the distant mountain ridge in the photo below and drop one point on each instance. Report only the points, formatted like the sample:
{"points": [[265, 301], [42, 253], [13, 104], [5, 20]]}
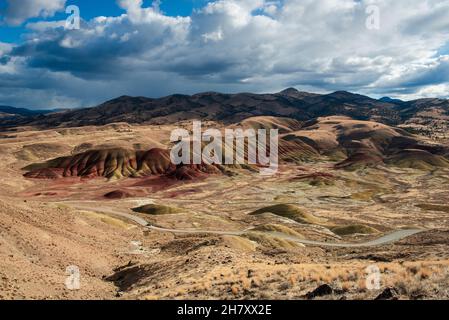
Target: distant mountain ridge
{"points": [[233, 108], [390, 100], [23, 111], [11, 116]]}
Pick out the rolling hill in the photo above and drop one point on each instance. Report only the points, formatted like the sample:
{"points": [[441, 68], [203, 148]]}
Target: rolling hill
{"points": [[348, 143]]}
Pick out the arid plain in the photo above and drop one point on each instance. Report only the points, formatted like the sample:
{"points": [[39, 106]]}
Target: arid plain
{"points": [[227, 233]]}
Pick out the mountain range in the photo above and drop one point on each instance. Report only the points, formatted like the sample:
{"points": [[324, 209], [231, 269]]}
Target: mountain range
{"points": [[22, 111], [232, 108]]}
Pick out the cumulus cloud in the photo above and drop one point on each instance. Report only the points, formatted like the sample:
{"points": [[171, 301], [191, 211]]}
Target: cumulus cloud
{"points": [[244, 45], [19, 11]]}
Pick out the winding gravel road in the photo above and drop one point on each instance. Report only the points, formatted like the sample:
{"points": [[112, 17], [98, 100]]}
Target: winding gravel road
{"points": [[384, 240]]}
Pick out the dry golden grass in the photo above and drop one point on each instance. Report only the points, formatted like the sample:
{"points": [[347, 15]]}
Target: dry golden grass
{"points": [[346, 286], [411, 279], [235, 290]]}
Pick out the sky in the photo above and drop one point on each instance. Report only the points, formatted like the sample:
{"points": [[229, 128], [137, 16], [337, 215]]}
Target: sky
{"points": [[396, 48]]}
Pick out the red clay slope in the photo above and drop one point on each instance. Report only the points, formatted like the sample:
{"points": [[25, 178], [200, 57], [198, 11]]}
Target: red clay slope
{"points": [[118, 163]]}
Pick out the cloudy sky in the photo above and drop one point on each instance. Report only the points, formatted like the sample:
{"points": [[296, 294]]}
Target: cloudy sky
{"points": [[156, 48]]}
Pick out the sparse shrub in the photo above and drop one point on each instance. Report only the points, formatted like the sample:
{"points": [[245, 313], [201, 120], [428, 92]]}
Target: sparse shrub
{"points": [[413, 269], [361, 284], [292, 279], [246, 283], [346, 286], [425, 273], [235, 290], [284, 286]]}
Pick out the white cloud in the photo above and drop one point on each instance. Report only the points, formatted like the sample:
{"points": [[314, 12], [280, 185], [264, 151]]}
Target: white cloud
{"points": [[432, 91], [247, 45], [19, 11], [45, 25], [5, 48], [213, 36]]}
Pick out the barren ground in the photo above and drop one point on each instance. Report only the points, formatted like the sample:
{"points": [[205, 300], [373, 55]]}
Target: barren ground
{"points": [[43, 231]]}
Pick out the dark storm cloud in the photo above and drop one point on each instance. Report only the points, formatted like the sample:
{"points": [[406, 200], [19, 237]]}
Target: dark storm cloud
{"points": [[229, 45]]}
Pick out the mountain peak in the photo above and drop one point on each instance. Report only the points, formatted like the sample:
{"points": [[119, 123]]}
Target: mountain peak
{"points": [[342, 93], [348, 96], [296, 94], [390, 100], [289, 91]]}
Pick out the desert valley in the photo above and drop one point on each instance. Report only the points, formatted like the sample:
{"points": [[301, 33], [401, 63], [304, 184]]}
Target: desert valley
{"points": [[362, 187]]}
